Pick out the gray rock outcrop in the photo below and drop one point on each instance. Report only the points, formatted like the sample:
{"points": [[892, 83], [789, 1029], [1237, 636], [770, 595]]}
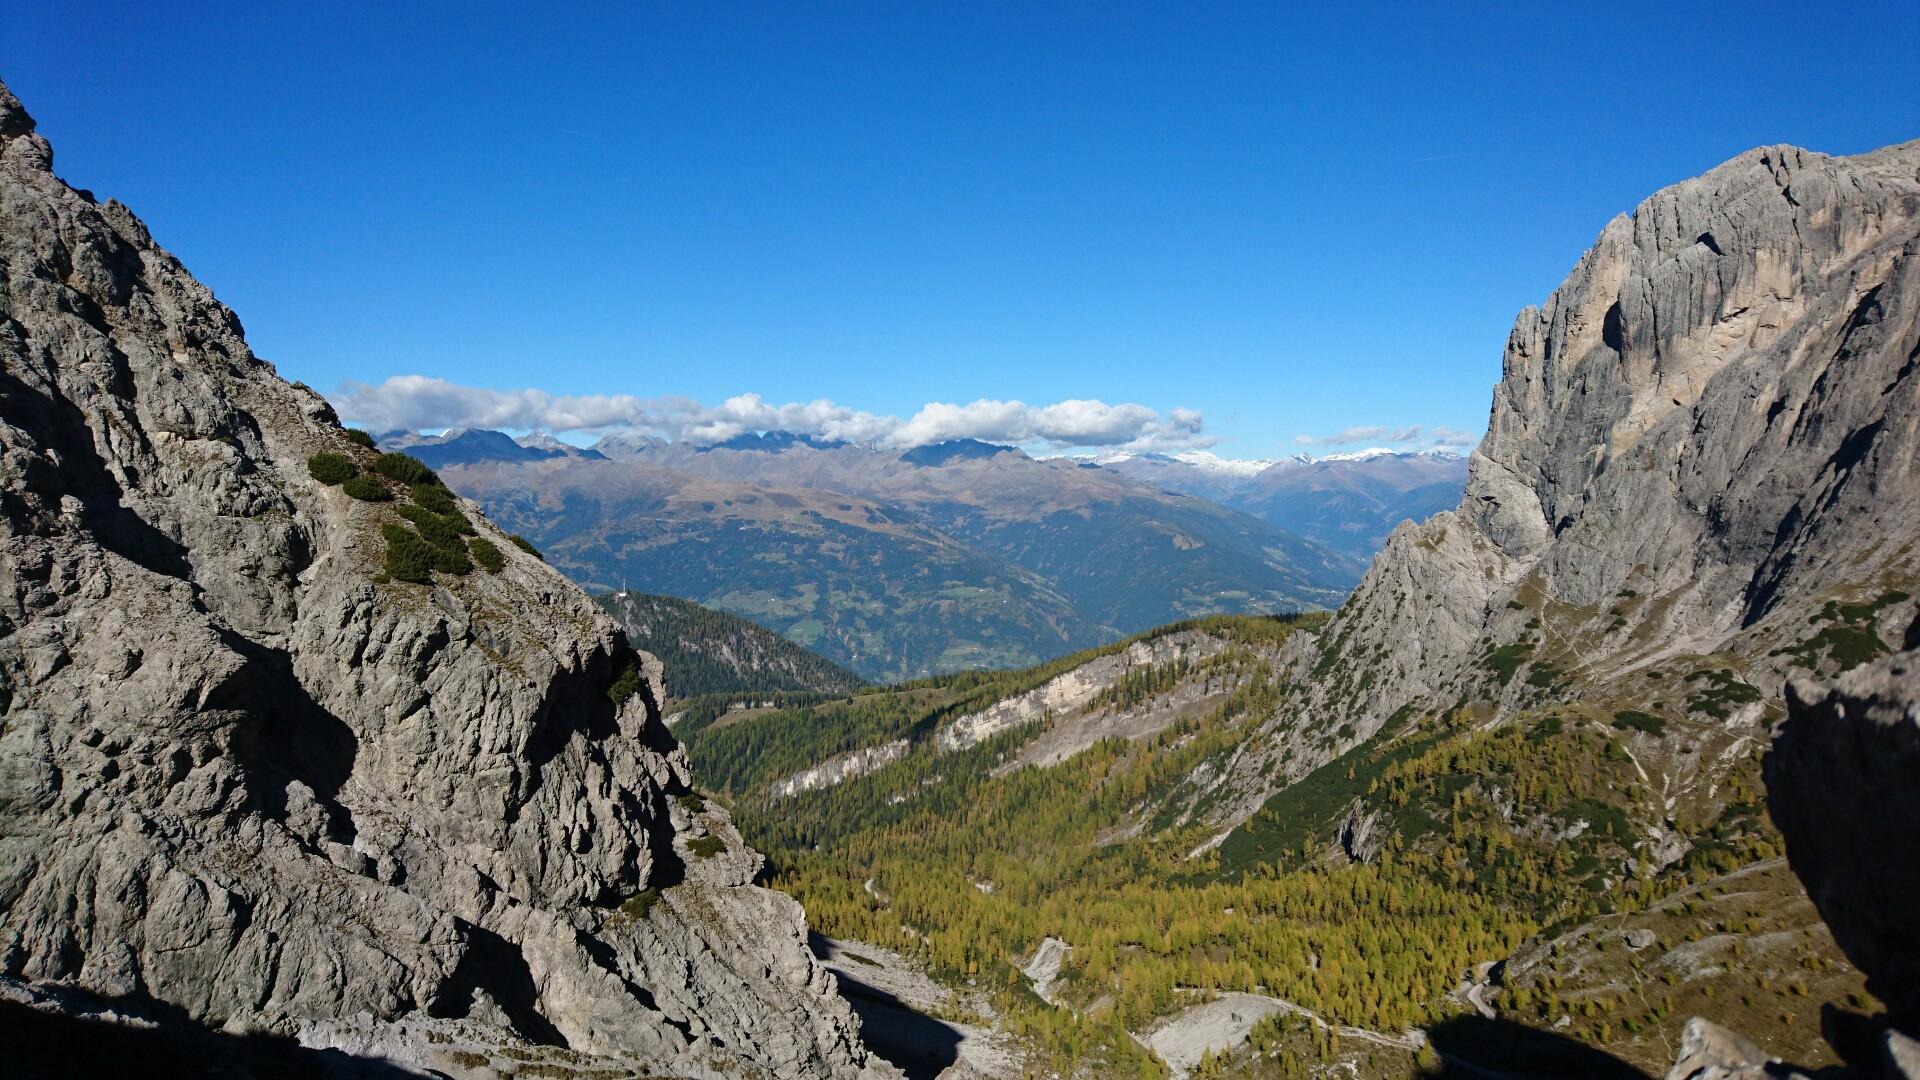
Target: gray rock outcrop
{"points": [[247, 782], [1359, 835], [1711, 1052]]}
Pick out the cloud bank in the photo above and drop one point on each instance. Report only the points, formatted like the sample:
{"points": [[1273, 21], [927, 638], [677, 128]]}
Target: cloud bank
{"points": [[416, 402], [1437, 436]]}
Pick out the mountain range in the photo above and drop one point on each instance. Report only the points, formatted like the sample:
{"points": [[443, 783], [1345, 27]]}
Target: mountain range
{"points": [[894, 564], [1348, 502], [962, 554]]}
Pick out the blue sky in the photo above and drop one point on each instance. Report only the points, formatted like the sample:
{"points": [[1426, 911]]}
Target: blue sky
{"points": [[1292, 224]]}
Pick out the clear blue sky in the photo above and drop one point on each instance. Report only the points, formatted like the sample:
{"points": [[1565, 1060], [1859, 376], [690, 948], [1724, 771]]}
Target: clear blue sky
{"points": [[1295, 223]]}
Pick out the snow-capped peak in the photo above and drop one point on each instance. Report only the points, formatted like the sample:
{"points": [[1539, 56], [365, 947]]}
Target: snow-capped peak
{"points": [[1214, 463], [1373, 452], [540, 440], [1368, 454]]}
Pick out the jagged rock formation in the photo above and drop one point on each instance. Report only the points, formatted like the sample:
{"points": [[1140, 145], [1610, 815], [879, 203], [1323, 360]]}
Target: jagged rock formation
{"points": [[1359, 834], [1707, 433], [245, 782]]}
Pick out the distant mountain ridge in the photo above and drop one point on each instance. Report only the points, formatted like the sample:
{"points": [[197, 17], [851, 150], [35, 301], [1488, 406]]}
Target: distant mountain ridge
{"points": [[957, 555], [1350, 502], [469, 445], [957, 450]]}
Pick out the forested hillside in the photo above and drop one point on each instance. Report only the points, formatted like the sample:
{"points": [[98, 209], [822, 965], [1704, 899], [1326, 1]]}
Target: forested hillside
{"points": [[711, 652], [1368, 893]]}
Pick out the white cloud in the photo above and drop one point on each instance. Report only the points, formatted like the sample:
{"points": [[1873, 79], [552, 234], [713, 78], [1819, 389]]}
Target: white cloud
{"points": [[1073, 423], [1453, 439], [416, 402], [1435, 436]]}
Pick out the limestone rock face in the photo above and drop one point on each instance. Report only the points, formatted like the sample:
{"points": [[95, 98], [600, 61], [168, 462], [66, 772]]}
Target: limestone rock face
{"points": [[1843, 784], [1359, 835], [245, 779], [1707, 432]]}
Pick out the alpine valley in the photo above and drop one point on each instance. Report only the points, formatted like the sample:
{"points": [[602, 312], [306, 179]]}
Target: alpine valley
{"points": [[1504, 812], [317, 758]]}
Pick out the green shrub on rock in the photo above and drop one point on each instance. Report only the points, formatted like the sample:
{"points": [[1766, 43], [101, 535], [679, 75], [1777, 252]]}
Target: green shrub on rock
{"points": [[367, 489], [409, 558], [707, 846], [487, 555], [625, 685], [1633, 719], [404, 468], [359, 438], [452, 560], [637, 905], [331, 468], [440, 530], [526, 545], [435, 498]]}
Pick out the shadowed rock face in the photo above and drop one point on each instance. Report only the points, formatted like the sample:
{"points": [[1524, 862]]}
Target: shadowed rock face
{"points": [[249, 783], [1843, 785]]}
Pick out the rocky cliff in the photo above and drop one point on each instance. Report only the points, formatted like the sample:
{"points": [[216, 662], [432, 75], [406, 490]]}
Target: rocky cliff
{"points": [[1705, 446], [248, 782]]}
